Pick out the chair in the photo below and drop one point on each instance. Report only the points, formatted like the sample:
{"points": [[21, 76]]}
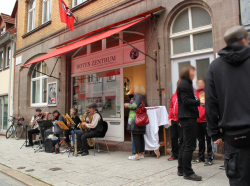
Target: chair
{"points": [[104, 131]]}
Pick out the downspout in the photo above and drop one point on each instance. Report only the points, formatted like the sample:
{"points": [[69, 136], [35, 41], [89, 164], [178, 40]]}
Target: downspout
{"points": [[12, 52]]}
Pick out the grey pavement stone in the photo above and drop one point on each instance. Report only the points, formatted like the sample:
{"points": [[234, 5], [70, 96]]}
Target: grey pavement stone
{"points": [[6, 180], [103, 169]]}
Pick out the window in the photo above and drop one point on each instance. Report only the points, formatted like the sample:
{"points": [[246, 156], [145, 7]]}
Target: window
{"points": [[39, 84], [31, 15], [1, 59], [46, 10], [191, 31], [96, 46], [130, 37], [112, 42], [77, 2], [3, 112], [97, 88], [8, 56], [2, 30]]}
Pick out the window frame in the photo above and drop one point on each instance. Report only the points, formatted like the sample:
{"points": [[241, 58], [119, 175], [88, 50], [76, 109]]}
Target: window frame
{"points": [[49, 7], [191, 32], [40, 78], [33, 10], [8, 55], [75, 4]]}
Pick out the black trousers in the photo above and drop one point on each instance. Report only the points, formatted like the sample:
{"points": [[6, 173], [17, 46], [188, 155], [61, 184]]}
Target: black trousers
{"points": [[175, 134], [30, 133], [202, 136], [139, 143], [66, 134], [82, 138], [189, 128], [237, 165]]}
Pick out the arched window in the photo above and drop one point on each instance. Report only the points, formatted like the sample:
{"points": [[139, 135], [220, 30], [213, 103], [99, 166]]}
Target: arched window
{"points": [[46, 10], [39, 83], [31, 15], [191, 31]]}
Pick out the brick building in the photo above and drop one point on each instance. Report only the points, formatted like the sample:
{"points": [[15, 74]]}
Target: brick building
{"points": [[182, 33]]}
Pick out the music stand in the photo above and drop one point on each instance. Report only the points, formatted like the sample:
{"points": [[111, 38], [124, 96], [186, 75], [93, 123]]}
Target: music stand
{"points": [[42, 124], [26, 125]]}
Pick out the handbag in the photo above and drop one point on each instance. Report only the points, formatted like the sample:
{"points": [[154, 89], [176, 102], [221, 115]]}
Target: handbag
{"points": [[141, 117]]}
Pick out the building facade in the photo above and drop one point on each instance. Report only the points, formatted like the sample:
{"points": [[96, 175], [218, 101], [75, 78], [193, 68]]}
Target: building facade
{"points": [[8, 25], [104, 71]]}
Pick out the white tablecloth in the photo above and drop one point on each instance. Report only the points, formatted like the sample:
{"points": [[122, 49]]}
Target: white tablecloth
{"points": [[158, 116]]}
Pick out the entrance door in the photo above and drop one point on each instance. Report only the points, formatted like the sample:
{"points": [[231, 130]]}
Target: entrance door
{"points": [[200, 62], [132, 75], [3, 113]]}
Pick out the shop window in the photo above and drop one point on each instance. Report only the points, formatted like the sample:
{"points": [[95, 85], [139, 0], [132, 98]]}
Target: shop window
{"points": [[1, 59], [191, 31], [96, 88], [81, 52], [39, 84], [112, 42], [31, 15], [96, 46], [77, 2], [131, 37], [8, 56], [46, 10]]}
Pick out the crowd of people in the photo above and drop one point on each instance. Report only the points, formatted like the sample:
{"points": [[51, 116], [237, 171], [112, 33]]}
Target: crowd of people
{"points": [[216, 113]]}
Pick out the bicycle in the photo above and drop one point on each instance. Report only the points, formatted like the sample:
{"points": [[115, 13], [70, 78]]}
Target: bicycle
{"points": [[17, 130]]}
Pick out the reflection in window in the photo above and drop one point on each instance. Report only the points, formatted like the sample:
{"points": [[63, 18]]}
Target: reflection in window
{"points": [[130, 37], [96, 88], [96, 46], [39, 84]]}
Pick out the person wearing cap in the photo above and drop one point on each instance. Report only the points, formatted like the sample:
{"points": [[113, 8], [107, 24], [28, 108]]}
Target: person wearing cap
{"points": [[227, 108], [34, 126], [95, 129]]}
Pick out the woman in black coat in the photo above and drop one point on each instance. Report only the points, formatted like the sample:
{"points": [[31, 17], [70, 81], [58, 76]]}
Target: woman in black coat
{"points": [[138, 132], [187, 115]]}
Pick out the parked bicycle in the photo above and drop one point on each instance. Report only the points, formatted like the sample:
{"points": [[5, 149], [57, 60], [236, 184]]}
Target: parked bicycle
{"points": [[16, 128]]}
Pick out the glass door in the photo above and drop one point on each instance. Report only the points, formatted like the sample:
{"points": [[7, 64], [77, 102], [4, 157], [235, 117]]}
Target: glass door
{"points": [[1, 114], [200, 62]]}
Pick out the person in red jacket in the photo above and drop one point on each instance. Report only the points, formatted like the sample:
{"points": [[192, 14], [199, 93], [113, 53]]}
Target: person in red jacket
{"points": [[202, 134], [175, 129]]}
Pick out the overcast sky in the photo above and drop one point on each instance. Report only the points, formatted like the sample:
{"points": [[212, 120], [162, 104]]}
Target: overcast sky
{"points": [[6, 6]]}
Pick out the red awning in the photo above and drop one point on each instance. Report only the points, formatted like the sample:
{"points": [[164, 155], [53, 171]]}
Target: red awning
{"points": [[78, 44]]}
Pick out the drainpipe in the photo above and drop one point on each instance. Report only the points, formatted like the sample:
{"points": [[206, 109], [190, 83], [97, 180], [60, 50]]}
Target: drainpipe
{"points": [[11, 74]]}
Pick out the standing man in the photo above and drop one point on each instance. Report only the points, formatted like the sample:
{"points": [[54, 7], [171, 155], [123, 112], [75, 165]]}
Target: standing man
{"points": [[228, 104]]}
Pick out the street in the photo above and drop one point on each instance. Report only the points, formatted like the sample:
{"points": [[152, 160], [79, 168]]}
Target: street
{"points": [[102, 169]]}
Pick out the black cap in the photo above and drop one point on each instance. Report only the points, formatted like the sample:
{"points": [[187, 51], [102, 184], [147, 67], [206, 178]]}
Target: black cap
{"points": [[93, 105], [38, 110]]}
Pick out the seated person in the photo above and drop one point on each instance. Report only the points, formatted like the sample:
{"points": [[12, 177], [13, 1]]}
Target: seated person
{"points": [[34, 126], [95, 126], [76, 119], [56, 130]]}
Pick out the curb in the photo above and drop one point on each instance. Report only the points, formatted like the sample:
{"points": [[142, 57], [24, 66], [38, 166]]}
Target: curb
{"points": [[28, 180]]}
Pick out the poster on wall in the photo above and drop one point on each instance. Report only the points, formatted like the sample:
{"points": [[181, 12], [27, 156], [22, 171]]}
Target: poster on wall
{"points": [[52, 93]]}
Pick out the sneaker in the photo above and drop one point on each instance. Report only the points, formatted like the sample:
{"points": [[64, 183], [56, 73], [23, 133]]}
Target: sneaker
{"points": [[141, 157], [172, 158], [193, 177], [222, 167], [196, 161], [133, 158], [208, 163]]}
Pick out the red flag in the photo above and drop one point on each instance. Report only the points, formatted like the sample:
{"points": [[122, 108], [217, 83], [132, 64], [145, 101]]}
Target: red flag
{"points": [[66, 15]]}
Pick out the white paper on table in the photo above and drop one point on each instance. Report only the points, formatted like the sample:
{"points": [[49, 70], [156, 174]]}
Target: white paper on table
{"points": [[157, 117]]}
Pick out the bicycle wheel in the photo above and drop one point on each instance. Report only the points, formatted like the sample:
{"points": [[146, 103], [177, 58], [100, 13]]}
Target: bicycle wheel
{"points": [[9, 132], [19, 132]]}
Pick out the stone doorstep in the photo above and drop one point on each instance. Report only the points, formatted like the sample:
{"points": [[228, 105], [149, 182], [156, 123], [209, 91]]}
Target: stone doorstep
{"points": [[127, 146], [28, 180]]}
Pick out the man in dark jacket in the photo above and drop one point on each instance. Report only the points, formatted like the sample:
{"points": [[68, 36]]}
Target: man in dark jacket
{"points": [[227, 105]]}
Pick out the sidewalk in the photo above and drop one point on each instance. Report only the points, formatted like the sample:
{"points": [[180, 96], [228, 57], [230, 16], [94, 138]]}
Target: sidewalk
{"points": [[102, 169]]}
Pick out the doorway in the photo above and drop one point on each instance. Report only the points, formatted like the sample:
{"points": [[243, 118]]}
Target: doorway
{"points": [[3, 113], [132, 75]]}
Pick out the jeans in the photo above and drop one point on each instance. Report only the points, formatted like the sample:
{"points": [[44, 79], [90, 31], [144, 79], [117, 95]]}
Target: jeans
{"points": [[201, 135], [30, 133], [83, 136], [188, 145], [175, 134], [73, 136], [133, 144], [139, 143], [237, 165]]}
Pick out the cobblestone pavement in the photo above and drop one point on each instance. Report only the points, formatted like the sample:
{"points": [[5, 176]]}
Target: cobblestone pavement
{"points": [[6, 180], [103, 169]]}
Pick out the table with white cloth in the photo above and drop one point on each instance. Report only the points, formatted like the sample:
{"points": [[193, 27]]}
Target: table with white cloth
{"points": [[158, 116]]}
